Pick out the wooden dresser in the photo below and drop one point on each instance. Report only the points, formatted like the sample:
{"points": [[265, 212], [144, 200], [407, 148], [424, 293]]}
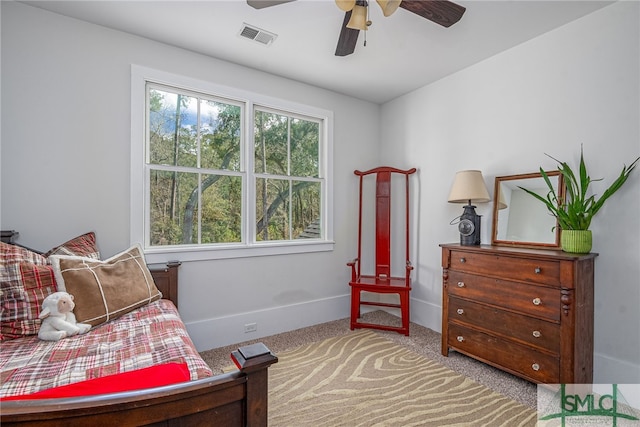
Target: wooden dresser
{"points": [[526, 311]]}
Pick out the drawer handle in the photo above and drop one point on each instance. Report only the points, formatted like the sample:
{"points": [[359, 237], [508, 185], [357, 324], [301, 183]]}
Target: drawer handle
{"points": [[463, 260], [537, 301], [537, 334], [460, 338], [537, 270], [461, 284], [535, 367], [460, 311]]}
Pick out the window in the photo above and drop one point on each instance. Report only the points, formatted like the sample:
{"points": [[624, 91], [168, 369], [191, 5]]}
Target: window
{"points": [[287, 180], [218, 173]]}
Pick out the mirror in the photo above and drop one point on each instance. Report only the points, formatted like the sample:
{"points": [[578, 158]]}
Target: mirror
{"points": [[521, 220]]}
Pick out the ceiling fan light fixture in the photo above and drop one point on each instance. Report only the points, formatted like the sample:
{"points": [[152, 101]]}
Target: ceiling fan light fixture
{"points": [[388, 6], [346, 5], [358, 19]]}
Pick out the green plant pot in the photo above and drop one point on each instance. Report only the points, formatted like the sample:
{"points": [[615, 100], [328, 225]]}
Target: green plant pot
{"points": [[576, 241]]}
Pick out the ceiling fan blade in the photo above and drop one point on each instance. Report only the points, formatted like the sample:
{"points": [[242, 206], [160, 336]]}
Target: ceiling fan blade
{"points": [[261, 4], [441, 12], [348, 38]]}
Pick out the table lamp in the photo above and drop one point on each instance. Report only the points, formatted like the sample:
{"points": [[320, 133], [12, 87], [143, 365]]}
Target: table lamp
{"points": [[468, 186]]}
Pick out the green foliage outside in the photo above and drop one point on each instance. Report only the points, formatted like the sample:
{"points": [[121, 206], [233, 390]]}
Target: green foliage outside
{"points": [[185, 152], [285, 147]]}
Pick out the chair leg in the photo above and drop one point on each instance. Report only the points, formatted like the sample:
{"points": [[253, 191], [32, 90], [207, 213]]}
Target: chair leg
{"points": [[355, 307], [404, 297]]}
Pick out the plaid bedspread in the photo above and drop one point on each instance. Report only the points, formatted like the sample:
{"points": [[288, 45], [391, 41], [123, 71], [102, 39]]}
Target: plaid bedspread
{"points": [[148, 336]]}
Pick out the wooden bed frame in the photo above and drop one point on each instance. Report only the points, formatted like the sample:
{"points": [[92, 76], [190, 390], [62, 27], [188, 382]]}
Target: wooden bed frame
{"points": [[233, 399]]}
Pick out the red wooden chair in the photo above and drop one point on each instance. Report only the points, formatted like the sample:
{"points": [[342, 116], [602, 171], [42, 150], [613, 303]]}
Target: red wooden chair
{"points": [[382, 281]]}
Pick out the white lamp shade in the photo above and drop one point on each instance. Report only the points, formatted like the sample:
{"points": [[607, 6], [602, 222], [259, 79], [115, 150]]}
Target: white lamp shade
{"points": [[469, 186], [388, 6], [346, 5], [358, 19], [502, 203]]}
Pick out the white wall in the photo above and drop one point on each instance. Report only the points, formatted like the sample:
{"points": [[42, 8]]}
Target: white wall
{"points": [[576, 85], [65, 168]]}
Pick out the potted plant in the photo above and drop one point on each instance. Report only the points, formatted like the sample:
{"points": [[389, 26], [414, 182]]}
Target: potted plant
{"points": [[575, 212]]}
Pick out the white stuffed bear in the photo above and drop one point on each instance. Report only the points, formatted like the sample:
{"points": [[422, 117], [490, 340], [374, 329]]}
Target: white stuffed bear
{"points": [[58, 321]]}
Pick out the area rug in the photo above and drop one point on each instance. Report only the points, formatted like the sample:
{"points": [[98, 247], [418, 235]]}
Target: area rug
{"points": [[363, 379]]}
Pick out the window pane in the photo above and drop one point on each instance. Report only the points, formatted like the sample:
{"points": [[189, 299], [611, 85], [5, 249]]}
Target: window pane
{"points": [[172, 207], [272, 209], [220, 127], [172, 128], [280, 217], [305, 210], [305, 137], [287, 146], [221, 209], [271, 143]]}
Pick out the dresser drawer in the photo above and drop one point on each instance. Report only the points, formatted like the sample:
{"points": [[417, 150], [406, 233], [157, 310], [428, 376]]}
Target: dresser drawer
{"points": [[505, 354], [538, 301], [529, 330], [528, 270]]}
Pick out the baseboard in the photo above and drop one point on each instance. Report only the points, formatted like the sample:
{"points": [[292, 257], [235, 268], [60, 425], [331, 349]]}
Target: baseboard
{"points": [[609, 370], [226, 330], [426, 314]]}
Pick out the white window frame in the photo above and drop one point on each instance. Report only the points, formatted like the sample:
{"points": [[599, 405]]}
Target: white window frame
{"points": [[249, 247]]}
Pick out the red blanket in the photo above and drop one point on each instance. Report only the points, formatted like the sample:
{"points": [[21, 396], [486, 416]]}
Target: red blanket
{"points": [[155, 376]]}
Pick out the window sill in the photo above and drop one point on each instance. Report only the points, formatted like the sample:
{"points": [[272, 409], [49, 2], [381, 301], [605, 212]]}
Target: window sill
{"points": [[160, 255]]}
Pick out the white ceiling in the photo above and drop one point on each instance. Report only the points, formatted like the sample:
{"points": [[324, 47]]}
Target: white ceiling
{"points": [[403, 52]]}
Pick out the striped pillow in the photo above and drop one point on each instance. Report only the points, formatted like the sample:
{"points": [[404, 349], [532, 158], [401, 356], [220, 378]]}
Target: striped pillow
{"points": [[83, 245], [26, 279]]}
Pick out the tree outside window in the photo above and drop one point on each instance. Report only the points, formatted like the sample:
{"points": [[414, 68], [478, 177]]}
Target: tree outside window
{"points": [[288, 188], [196, 161]]}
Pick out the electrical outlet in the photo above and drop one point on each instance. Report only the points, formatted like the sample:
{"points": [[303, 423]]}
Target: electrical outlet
{"points": [[250, 327]]}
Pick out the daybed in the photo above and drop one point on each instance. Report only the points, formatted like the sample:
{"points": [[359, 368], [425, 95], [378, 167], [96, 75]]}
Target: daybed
{"points": [[238, 398]]}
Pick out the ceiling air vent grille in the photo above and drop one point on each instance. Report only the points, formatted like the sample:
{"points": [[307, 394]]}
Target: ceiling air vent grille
{"points": [[256, 34]]}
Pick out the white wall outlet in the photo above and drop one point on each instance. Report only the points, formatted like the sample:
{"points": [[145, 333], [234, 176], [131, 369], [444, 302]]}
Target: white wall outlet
{"points": [[250, 327]]}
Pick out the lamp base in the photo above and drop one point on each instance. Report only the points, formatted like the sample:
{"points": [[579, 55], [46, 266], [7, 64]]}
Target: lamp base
{"points": [[469, 226]]}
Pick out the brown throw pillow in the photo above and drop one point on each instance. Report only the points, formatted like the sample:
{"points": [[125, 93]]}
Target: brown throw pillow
{"points": [[105, 290]]}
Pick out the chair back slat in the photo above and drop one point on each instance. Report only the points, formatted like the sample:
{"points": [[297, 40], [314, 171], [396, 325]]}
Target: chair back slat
{"points": [[383, 224]]}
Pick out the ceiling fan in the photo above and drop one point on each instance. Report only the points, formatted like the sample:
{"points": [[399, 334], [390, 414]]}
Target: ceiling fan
{"points": [[442, 12]]}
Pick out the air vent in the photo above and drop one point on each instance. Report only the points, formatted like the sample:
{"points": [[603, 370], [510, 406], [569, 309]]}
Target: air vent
{"points": [[256, 34]]}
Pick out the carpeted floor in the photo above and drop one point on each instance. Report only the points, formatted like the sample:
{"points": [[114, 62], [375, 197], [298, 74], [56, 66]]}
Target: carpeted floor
{"points": [[421, 340]]}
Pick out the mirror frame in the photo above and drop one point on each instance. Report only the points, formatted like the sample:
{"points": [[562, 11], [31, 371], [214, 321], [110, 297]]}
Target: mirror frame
{"points": [[496, 196]]}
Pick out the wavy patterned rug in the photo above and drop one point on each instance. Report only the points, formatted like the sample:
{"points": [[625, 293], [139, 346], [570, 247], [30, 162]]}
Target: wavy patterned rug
{"points": [[363, 379]]}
